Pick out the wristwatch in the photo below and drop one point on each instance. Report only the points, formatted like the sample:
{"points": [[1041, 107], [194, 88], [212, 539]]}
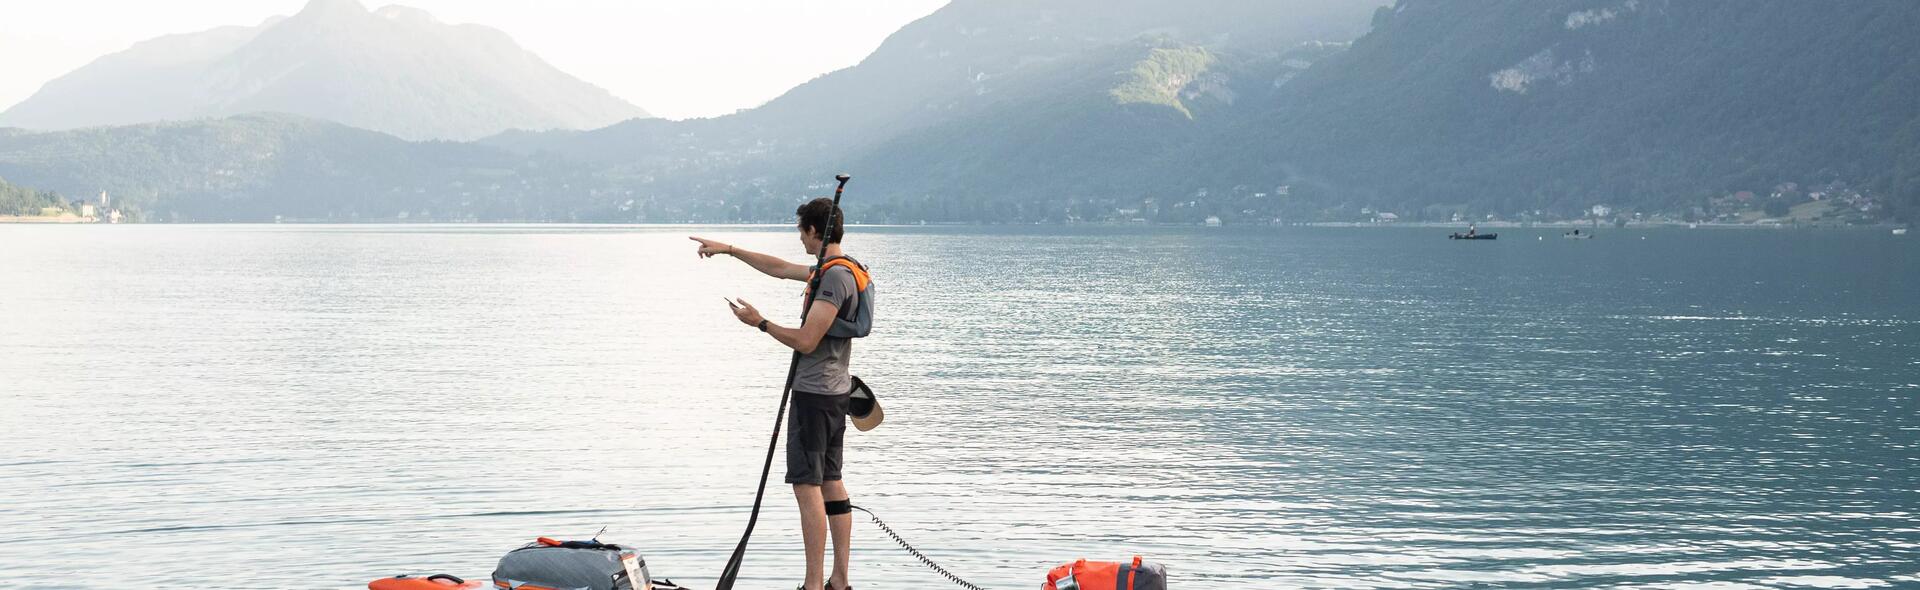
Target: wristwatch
{"points": [[763, 325]]}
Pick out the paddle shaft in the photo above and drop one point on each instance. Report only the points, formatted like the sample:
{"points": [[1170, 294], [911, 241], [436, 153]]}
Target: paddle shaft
{"points": [[779, 418]]}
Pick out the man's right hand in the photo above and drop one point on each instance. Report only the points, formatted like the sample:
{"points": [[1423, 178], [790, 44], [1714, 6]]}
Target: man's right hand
{"points": [[708, 248]]}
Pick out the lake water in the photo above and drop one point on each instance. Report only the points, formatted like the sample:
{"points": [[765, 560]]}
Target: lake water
{"points": [[318, 406]]}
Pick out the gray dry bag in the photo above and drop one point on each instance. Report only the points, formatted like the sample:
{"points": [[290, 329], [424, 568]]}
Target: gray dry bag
{"points": [[572, 565]]}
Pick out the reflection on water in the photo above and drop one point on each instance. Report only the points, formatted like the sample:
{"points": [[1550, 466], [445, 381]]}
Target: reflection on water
{"points": [[279, 407]]}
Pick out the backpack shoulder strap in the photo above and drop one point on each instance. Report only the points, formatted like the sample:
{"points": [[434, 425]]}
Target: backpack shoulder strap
{"points": [[860, 277]]}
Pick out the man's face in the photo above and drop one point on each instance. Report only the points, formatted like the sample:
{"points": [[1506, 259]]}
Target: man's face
{"points": [[809, 241]]}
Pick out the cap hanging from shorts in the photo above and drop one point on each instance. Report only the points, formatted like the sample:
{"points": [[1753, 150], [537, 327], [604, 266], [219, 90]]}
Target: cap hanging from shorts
{"points": [[863, 408]]}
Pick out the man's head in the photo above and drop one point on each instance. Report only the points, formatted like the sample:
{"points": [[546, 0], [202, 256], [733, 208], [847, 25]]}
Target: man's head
{"points": [[813, 218]]}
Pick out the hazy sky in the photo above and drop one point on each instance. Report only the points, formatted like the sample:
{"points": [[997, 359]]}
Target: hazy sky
{"points": [[677, 59]]}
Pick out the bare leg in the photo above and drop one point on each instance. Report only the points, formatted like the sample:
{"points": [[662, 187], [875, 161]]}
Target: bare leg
{"points": [[842, 526], [813, 530]]}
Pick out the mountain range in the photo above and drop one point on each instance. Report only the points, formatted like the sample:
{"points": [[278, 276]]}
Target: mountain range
{"points": [[396, 70], [1065, 110]]}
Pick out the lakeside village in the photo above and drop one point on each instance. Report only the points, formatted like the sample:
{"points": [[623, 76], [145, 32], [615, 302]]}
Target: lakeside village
{"points": [[1787, 205], [51, 209]]}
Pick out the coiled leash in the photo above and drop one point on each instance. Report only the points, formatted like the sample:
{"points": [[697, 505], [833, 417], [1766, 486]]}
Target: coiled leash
{"points": [[916, 552]]}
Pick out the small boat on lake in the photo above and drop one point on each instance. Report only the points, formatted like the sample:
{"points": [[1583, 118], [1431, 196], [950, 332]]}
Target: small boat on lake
{"points": [[1899, 231], [1577, 235], [1472, 234]]}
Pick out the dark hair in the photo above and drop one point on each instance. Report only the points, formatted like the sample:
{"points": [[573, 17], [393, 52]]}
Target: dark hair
{"points": [[813, 214]]}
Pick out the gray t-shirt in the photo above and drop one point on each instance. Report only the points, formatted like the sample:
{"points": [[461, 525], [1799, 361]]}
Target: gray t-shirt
{"points": [[824, 370]]}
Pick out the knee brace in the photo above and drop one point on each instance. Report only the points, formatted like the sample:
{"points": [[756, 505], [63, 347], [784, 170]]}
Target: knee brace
{"points": [[839, 507]]}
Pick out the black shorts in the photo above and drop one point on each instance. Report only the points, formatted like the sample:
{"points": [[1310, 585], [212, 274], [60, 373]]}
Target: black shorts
{"points": [[816, 427]]}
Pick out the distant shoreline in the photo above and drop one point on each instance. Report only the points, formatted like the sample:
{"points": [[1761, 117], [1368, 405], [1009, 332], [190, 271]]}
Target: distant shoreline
{"points": [[45, 219], [1608, 226], [67, 220]]}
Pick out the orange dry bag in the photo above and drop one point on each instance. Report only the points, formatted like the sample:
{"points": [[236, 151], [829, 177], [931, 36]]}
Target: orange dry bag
{"points": [[1102, 575]]}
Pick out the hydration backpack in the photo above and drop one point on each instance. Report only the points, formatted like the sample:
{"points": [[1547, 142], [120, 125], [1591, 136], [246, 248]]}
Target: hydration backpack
{"points": [[853, 321]]}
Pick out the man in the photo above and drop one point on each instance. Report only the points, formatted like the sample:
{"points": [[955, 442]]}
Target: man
{"points": [[816, 425]]}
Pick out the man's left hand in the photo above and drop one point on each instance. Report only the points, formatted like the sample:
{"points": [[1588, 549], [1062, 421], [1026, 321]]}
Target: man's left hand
{"points": [[747, 314]]}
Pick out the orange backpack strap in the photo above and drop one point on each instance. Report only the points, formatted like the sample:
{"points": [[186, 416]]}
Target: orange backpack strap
{"points": [[1133, 570], [860, 277]]}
